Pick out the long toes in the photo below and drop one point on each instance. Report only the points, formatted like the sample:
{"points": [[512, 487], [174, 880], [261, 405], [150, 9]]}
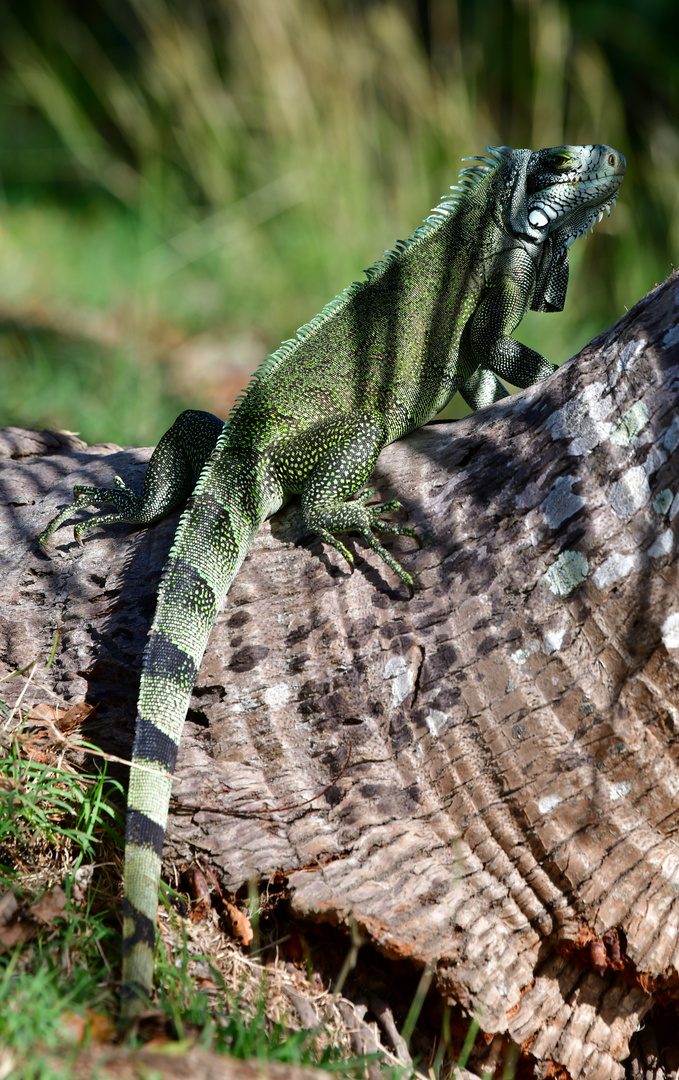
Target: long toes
{"points": [[332, 541], [91, 522], [396, 530], [387, 527], [58, 521], [405, 530], [346, 555], [394, 506], [391, 507], [386, 557], [78, 531], [82, 493]]}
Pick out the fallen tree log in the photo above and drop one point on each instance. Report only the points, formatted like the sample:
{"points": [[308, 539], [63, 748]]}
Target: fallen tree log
{"points": [[508, 811]]}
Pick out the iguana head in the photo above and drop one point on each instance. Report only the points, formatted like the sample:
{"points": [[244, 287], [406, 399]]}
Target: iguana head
{"points": [[566, 189], [547, 198]]}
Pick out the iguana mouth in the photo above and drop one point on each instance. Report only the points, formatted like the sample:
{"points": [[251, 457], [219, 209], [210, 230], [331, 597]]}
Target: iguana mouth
{"points": [[592, 180], [595, 180], [586, 185]]}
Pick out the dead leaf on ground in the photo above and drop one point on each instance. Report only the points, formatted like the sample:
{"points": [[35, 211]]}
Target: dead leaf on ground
{"points": [[75, 716], [90, 1026], [8, 783], [50, 906], [42, 711], [234, 921], [8, 907], [238, 923], [17, 933], [50, 715]]}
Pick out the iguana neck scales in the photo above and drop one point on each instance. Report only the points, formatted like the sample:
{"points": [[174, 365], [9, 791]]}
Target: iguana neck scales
{"points": [[433, 317]]}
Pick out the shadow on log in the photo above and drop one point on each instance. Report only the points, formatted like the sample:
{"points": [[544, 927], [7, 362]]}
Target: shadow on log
{"points": [[509, 810]]}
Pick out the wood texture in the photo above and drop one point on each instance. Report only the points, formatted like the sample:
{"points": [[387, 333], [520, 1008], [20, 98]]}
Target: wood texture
{"points": [[510, 807]]}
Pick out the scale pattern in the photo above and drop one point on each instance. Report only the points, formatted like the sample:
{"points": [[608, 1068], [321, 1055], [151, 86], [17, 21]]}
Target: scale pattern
{"points": [[434, 316]]}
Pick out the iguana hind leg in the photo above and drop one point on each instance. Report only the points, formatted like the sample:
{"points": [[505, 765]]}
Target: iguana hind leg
{"points": [[169, 479]]}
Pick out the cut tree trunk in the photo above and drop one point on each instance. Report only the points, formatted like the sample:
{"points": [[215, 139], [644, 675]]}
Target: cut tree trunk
{"points": [[509, 808]]}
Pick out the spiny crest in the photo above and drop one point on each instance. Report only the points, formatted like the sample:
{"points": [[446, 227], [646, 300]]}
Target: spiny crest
{"points": [[469, 177]]}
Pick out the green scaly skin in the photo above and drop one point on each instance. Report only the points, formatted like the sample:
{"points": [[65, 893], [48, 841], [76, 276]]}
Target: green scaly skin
{"points": [[434, 317]]}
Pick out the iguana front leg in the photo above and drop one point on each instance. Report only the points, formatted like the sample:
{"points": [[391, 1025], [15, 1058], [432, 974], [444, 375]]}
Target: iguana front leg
{"points": [[489, 339], [482, 388], [169, 479]]}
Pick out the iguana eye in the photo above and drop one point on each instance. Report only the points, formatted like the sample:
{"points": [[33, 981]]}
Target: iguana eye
{"points": [[560, 161]]}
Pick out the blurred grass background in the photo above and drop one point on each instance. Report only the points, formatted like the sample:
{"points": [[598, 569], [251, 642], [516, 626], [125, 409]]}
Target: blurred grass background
{"points": [[183, 184]]}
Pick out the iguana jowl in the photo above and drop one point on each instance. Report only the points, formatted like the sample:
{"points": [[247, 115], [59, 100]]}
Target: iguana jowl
{"points": [[433, 317]]}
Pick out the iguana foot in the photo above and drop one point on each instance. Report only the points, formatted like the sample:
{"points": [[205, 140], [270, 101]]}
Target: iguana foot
{"points": [[129, 508], [176, 461], [355, 516]]}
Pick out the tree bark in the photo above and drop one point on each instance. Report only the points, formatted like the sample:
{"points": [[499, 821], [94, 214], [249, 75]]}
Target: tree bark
{"points": [[508, 813]]}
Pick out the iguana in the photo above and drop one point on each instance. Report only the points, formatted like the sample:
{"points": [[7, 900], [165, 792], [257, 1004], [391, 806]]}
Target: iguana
{"points": [[434, 316]]}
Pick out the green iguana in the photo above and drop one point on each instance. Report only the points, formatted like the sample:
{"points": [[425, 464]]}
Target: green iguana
{"points": [[433, 317]]}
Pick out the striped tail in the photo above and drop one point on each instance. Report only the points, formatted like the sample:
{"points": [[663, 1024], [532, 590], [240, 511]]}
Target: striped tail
{"points": [[212, 540]]}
